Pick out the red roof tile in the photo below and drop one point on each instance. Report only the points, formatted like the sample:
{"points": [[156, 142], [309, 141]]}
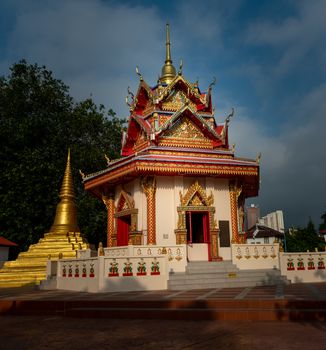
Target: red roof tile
{"points": [[5, 242]]}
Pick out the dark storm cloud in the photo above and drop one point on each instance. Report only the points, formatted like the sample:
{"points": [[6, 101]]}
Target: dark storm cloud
{"points": [[270, 67]]}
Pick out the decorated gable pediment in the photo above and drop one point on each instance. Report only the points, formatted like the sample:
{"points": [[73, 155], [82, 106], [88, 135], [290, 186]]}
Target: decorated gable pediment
{"points": [[196, 196], [185, 133], [125, 202], [137, 136], [176, 101]]}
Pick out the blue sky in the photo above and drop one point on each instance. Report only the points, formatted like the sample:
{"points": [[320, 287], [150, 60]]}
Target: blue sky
{"points": [[269, 58]]}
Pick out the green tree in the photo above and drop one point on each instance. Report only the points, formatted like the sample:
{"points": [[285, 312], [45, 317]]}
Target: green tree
{"points": [[322, 226], [303, 239], [39, 121]]}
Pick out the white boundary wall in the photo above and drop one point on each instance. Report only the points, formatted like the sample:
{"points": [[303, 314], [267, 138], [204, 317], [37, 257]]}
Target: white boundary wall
{"points": [[176, 254], [304, 267], [104, 274], [255, 257]]}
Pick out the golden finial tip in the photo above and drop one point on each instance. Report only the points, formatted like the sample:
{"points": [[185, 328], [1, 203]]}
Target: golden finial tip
{"points": [[168, 70]]}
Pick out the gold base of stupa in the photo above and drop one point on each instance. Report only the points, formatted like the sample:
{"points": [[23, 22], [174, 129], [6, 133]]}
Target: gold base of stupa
{"points": [[30, 267]]}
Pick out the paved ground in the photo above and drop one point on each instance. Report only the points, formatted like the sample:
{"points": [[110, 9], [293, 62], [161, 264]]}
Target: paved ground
{"points": [[57, 332], [52, 333], [303, 291]]}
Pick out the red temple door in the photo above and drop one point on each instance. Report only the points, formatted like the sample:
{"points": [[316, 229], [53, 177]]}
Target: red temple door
{"points": [[123, 223], [198, 229]]}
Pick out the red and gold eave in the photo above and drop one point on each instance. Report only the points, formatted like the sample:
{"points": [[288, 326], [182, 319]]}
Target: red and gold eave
{"points": [[172, 132], [171, 161]]}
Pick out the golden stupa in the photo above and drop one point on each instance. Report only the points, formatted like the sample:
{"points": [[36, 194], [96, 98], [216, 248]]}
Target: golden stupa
{"points": [[63, 240]]}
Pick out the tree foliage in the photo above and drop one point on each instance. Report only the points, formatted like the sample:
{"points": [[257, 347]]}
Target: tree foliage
{"points": [[322, 226], [39, 121], [303, 239]]}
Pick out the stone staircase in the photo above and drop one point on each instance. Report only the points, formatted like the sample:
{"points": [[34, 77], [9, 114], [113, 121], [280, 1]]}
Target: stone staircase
{"points": [[224, 274], [30, 267]]}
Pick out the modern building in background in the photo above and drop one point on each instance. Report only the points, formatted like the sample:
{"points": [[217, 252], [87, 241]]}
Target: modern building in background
{"points": [[273, 220], [252, 216]]}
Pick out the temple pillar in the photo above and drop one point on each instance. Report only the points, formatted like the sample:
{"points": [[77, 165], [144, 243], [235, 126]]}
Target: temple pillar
{"points": [[213, 237], [235, 192], [149, 187], [108, 200], [181, 231]]}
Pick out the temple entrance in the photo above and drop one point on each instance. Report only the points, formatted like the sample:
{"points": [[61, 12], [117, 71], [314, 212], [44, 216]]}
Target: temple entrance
{"points": [[123, 227], [197, 225]]}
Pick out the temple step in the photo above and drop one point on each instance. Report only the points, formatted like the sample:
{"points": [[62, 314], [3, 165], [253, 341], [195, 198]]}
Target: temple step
{"points": [[224, 274], [27, 276], [30, 267]]}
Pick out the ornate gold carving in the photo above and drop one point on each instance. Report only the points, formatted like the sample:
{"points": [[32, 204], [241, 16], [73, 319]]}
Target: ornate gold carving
{"points": [[164, 119], [109, 203], [177, 101], [181, 220], [235, 192], [186, 142], [125, 201], [184, 128], [168, 168], [196, 199], [141, 141], [196, 190], [192, 154], [126, 206], [149, 188]]}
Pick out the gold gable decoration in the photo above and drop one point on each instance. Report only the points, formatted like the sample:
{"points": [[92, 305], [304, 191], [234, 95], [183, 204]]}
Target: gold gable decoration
{"points": [[186, 129], [176, 102], [125, 202], [184, 133], [141, 141], [196, 196]]}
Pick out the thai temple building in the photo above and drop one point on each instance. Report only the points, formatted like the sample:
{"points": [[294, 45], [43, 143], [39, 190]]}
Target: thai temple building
{"points": [[175, 207], [178, 180]]}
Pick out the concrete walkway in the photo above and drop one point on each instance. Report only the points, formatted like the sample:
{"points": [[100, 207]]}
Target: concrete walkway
{"points": [[191, 319], [267, 303]]}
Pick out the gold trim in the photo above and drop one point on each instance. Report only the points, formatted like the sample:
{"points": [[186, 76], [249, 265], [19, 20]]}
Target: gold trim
{"points": [[196, 199], [194, 168], [185, 142], [196, 192], [192, 154], [149, 187]]}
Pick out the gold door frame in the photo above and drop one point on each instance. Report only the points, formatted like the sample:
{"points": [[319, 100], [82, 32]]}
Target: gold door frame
{"points": [[196, 199]]}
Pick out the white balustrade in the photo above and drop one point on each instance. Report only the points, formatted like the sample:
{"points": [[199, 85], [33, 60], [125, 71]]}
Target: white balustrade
{"points": [[255, 256], [304, 267]]}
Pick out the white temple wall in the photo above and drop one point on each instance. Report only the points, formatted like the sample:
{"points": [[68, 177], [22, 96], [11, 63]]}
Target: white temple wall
{"points": [[140, 204], [166, 211], [220, 190], [303, 267]]}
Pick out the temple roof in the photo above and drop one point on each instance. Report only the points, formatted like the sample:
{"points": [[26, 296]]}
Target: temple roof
{"points": [[260, 231], [172, 131], [4, 242]]}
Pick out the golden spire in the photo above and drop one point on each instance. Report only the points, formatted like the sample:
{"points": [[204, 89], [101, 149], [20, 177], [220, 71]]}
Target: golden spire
{"points": [[66, 213], [168, 70]]}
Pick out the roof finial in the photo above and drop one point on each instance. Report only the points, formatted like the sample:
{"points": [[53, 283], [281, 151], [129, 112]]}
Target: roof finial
{"points": [[168, 70], [168, 45]]}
